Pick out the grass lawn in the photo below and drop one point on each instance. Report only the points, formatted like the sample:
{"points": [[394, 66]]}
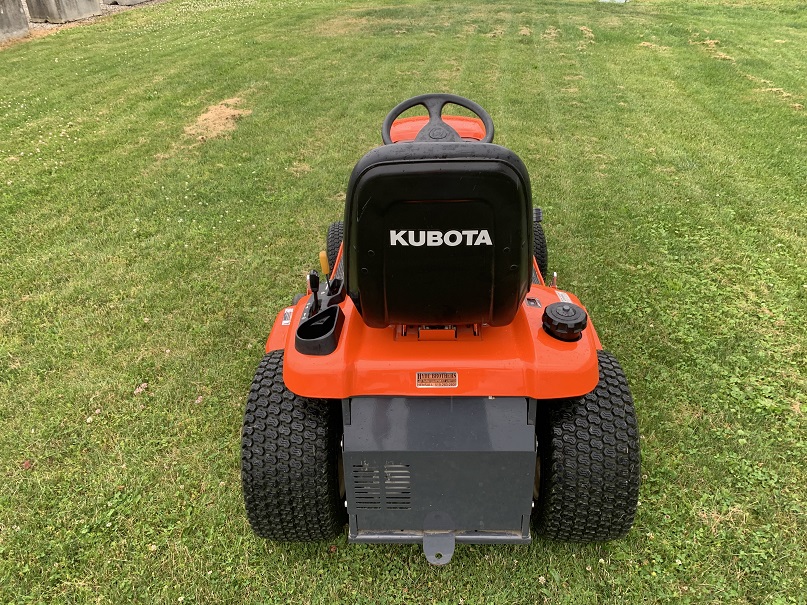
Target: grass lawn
{"points": [[143, 259]]}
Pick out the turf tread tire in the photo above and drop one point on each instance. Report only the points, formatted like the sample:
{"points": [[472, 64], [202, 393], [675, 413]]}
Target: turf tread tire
{"points": [[336, 233], [289, 458], [539, 250], [590, 462]]}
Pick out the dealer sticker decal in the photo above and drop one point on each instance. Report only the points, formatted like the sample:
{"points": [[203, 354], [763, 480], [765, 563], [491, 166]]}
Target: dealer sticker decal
{"points": [[563, 297], [437, 380]]}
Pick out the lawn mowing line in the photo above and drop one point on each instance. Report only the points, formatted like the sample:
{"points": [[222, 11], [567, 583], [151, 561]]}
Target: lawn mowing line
{"points": [[159, 451]]}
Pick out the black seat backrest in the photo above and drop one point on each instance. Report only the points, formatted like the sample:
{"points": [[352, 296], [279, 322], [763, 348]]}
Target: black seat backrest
{"points": [[438, 234]]}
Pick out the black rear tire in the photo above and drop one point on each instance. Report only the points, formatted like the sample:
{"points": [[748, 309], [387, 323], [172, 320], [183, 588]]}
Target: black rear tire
{"points": [[590, 466], [289, 460], [336, 232], [539, 250]]}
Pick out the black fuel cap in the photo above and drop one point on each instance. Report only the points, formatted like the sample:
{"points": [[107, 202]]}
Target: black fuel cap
{"points": [[564, 321]]}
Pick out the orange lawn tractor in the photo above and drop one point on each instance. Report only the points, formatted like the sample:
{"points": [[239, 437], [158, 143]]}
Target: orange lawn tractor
{"points": [[431, 387]]}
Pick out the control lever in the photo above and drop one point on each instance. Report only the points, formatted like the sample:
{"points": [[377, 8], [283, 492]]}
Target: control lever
{"points": [[313, 284], [326, 269]]}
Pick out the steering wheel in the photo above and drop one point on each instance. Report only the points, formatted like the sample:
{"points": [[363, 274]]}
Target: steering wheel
{"points": [[436, 130]]}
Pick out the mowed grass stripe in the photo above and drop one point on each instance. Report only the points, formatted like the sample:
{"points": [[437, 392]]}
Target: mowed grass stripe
{"points": [[149, 256]]}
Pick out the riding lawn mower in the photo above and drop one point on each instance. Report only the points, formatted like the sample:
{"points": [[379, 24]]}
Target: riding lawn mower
{"points": [[434, 385]]}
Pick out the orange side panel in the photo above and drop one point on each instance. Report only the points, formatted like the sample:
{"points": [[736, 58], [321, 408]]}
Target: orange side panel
{"points": [[290, 316], [518, 360], [280, 329], [406, 129]]}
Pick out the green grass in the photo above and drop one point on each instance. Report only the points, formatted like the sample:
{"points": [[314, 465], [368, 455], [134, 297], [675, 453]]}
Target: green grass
{"points": [[667, 148]]}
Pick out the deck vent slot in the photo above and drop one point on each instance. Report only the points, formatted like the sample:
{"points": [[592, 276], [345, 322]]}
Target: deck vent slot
{"points": [[397, 487], [371, 493], [367, 486]]}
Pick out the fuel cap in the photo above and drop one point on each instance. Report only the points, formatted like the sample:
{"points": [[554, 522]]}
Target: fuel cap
{"points": [[564, 321]]}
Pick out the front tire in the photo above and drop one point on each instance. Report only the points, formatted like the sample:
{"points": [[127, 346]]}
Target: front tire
{"points": [[289, 460], [336, 232], [539, 250], [590, 466]]}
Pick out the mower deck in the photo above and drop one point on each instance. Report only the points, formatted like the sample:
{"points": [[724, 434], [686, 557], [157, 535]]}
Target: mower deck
{"points": [[412, 465]]}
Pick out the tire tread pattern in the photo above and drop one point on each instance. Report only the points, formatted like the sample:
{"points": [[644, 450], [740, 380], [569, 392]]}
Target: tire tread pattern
{"points": [[289, 460], [336, 233], [590, 462], [540, 252]]}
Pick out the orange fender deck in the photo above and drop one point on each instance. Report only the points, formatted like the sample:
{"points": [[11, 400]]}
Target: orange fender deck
{"points": [[517, 360]]}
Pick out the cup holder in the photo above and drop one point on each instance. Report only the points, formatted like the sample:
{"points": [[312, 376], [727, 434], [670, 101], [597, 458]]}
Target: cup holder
{"points": [[319, 335]]}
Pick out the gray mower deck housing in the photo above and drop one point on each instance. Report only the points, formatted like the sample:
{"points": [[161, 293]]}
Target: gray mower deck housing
{"points": [[412, 465]]}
